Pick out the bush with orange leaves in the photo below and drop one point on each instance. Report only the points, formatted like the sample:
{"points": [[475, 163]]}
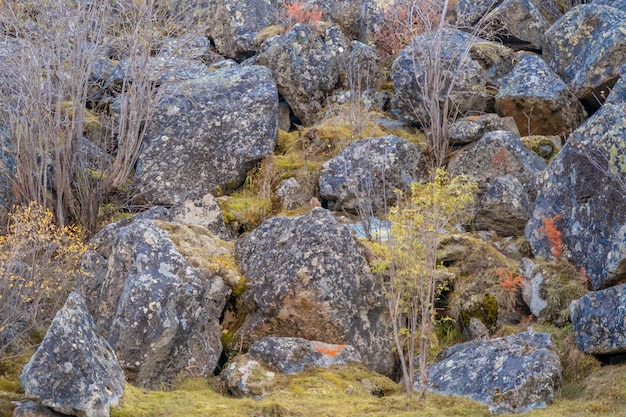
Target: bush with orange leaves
{"points": [[302, 12], [509, 280], [553, 234], [38, 265]]}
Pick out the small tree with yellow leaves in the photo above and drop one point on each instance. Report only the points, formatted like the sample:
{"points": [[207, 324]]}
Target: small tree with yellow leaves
{"points": [[38, 264], [419, 222]]}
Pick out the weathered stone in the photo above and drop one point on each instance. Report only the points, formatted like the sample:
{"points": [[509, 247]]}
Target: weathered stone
{"points": [[293, 194], [362, 68], [586, 48], [469, 12], [32, 409], [163, 70], [598, 320], [247, 377], [202, 212], [504, 208], [512, 374], [304, 68], [497, 154], [207, 133], [477, 330], [469, 92], [618, 92], [531, 287], [519, 23], [618, 4], [74, 371], [159, 313], [364, 176], [292, 354], [539, 101], [472, 128], [583, 190], [309, 278]]}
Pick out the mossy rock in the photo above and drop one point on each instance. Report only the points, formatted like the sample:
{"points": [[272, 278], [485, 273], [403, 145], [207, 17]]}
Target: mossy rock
{"points": [[486, 312]]}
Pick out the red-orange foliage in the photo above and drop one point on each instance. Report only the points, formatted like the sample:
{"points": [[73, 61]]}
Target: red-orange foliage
{"points": [[329, 350], [553, 234], [509, 281], [300, 12]]}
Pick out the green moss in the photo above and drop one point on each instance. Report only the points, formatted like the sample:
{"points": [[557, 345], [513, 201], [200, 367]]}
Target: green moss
{"points": [[487, 312], [534, 143], [245, 211]]}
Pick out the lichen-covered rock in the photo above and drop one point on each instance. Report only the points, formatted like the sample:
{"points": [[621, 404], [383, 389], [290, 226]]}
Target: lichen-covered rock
{"points": [[74, 371], [207, 133], [408, 73], [497, 154], [618, 4], [32, 409], [470, 129], [292, 194], [203, 212], [304, 69], [518, 22], [618, 92], [531, 287], [539, 101], [309, 278], [469, 12], [504, 208], [160, 313], [583, 192], [366, 173], [235, 24], [293, 354], [512, 374], [586, 48], [598, 320], [362, 68], [248, 377]]}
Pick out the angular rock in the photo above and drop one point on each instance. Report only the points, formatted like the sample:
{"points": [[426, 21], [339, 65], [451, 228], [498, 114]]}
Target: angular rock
{"points": [[531, 288], [292, 354], [519, 23], [235, 24], [160, 313], [497, 154], [293, 195], [472, 128], [247, 377], [597, 33], [539, 101], [32, 409], [202, 212], [618, 92], [583, 190], [469, 12], [512, 374], [618, 4], [362, 68], [469, 92], [74, 371], [366, 173], [598, 320], [207, 133], [504, 208], [309, 278], [304, 69]]}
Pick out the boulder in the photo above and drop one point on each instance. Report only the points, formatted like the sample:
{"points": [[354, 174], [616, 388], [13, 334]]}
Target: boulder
{"points": [[598, 320], [583, 193], [203, 212], [519, 23], [539, 101], [160, 313], [32, 409], [469, 92], [247, 377], [512, 374], [597, 33], [618, 92], [309, 278], [618, 4], [364, 176], [531, 287], [497, 154], [207, 133], [74, 371], [235, 24], [304, 69], [504, 208], [469, 12], [292, 194], [469, 129]]}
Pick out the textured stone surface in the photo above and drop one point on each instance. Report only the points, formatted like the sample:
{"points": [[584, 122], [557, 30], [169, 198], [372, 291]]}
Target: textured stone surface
{"points": [[309, 278], [504, 208], [586, 48], [539, 101], [203, 212], [469, 92], [531, 287], [292, 354], [160, 314], [292, 194], [32, 409], [584, 186], [472, 128], [469, 12], [207, 134], [74, 371], [519, 23], [513, 374], [366, 173], [618, 92], [598, 320], [235, 23], [304, 69], [247, 377]]}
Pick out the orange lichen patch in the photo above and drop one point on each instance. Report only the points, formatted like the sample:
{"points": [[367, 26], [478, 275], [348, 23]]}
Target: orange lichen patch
{"points": [[329, 350], [553, 234]]}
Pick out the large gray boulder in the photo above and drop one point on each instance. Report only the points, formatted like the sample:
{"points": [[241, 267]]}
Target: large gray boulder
{"points": [[74, 371], [160, 313], [304, 68], [598, 320], [470, 129], [539, 101], [364, 176], [409, 75], [583, 191], [512, 374], [207, 133], [309, 278], [586, 48]]}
